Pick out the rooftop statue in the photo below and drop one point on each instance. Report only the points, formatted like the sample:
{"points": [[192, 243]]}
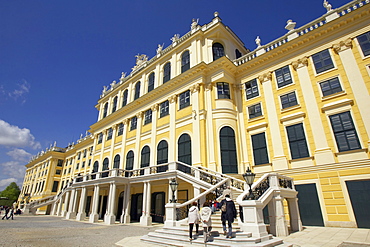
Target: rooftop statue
{"points": [[175, 38], [258, 41], [123, 75], [160, 48], [327, 6], [112, 85], [140, 59], [290, 25], [194, 23]]}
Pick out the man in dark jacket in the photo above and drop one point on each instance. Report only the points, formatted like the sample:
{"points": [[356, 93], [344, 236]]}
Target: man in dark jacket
{"points": [[6, 213], [228, 214]]}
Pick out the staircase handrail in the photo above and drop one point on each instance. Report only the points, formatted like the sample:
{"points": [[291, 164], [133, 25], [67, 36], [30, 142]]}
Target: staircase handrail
{"points": [[183, 208], [235, 184], [264, 183]]}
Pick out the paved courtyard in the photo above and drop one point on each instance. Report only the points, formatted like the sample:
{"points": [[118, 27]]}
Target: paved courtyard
{"points": [[55, 231]]}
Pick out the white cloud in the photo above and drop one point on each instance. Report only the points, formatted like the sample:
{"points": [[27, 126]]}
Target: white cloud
{"points": [[19, 155], [14, 169], [11, 135], [21, 91], [5, 182]]}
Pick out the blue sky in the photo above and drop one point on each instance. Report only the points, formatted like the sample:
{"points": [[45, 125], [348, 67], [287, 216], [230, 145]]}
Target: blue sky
{"points": [[56, 56]]}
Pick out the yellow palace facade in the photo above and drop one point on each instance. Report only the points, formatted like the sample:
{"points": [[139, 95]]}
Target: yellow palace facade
{"points": [[208, 108]]}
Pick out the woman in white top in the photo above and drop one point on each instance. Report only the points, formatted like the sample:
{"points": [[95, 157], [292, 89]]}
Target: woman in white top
{"points": [[193, 218], [205, 215]]}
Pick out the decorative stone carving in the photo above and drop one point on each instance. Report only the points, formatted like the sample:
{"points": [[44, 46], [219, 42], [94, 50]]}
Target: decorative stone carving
{"points": [[343, 45], [155, 107], [125, 121], [172, 98], [290, 25], [327, 6], [300, 63], [265, 77], [194, 23], [112, 85], [194, 114], [258, 41], [175, 38], [140, 114], [215, 14], [123, 75], [209, 86], [195, 88], [160, 48]]}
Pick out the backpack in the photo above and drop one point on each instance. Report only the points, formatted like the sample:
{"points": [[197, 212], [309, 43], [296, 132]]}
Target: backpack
{"points": [[223, 207]]}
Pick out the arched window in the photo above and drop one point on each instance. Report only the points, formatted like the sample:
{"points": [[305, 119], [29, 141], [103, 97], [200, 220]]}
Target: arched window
{"points": [[105, 111], [95, 169], [137, 90], [124, 98], [105, 168], [184, 152], [229, 161], [114, 108], [145, 158], [162, 156], [185, 61], [151, 82], [166, 72], [218, 51], [116, 161], [129, 163]]}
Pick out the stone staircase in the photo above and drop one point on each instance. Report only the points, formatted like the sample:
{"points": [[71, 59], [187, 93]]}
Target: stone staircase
{"points": [[179, 236]]}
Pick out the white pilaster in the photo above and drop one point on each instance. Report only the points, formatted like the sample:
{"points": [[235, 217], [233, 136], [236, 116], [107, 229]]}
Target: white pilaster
{"points": [[172, 143], [95, 205], [71, 214], [80, 215], [110, 217]]}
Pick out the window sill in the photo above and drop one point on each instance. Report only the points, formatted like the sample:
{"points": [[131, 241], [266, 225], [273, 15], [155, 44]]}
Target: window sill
{"points": [[290, 108], [363, 150], [255, 118], [301, 159], [326, 71], [332, 96]]}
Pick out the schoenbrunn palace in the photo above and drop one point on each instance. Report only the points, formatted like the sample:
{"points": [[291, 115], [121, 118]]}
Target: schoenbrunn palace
{"points": [[205, 109]]}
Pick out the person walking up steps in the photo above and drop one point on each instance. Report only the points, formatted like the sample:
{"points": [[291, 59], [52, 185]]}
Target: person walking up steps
{"points": [[228, 213], [205, 216], [193, 218]]}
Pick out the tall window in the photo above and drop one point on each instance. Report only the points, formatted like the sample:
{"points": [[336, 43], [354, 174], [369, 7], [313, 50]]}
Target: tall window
{"points": [[331, 86], [283, 76], [116, 161], [288, 100], [166, 72], [129, 163], [251, 89], [164, 108], [148, 116], [344, 132], [114, 108], [124, 100], [95, 169], [254, 111], [364, 41], [55, 186], [130, 160], [145, 158], [120, 129], [185, 61], [105, 111], [137, 90], [100, 138], [260, 149], [151, 82], [322, 61], [184, 152], [297, 141], [223, 90], [109, 134], [229, 161], [162, 152], [105, 167], [218, 51], [133, 124], [184, 99]]}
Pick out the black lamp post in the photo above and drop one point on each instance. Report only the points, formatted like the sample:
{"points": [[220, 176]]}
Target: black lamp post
{"points": [[249, 178], [173, 185]]}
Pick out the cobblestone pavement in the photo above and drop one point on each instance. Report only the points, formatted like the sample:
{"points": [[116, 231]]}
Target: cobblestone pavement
{"points": [[38, 230]]}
